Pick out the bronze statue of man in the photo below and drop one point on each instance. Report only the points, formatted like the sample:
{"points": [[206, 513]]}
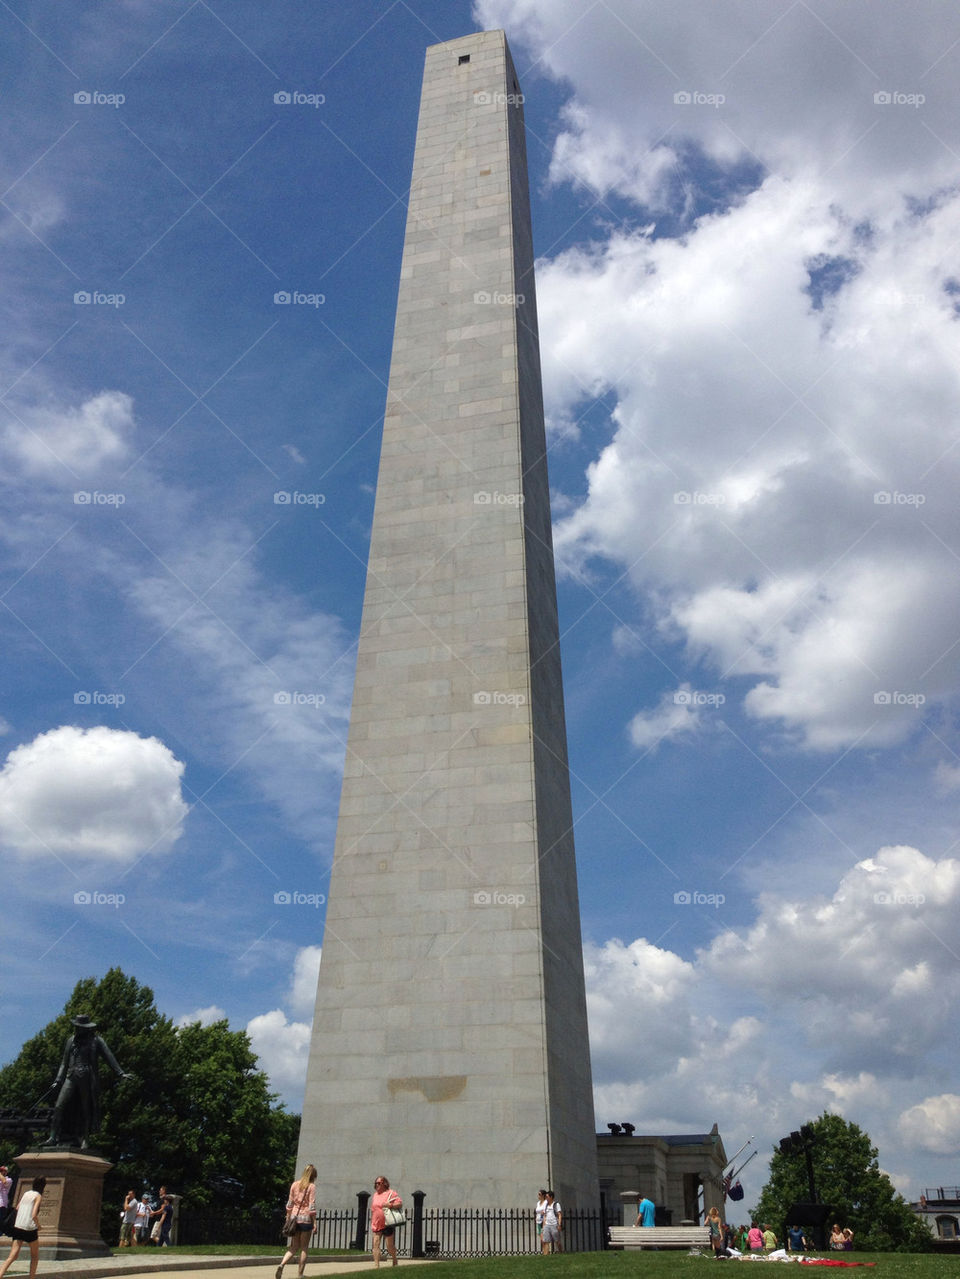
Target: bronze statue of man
{"points": [[76, 1113]]}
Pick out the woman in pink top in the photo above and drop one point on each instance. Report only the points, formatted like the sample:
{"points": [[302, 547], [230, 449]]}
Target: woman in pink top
{"points": [[301, 1204], [383, 1195], [755, 1238]]}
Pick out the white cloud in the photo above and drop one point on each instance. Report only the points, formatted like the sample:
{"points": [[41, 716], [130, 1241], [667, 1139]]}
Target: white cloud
{"points": [[96, 793], [933, 1125], [79, 441], [303, 988], [798, 89], [779, 482], [282, 1047], [840, 1002], [674, 717], [202, 1016]]}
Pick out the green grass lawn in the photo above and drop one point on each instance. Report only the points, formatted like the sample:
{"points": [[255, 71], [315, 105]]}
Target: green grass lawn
{"points": [[680, 1265], [673, 1264]]}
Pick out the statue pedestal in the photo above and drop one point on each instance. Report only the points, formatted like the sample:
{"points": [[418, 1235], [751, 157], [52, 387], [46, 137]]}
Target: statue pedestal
{"points": [[70, 1208]]}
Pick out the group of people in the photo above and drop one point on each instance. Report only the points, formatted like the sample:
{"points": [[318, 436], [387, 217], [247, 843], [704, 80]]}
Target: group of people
{"points": [[549, 1218], [302, 1215], [842, 1239], [137, 1215]]}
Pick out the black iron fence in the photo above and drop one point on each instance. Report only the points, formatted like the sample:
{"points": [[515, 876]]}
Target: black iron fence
{"points": [[464, 1232], [430, 1232]]}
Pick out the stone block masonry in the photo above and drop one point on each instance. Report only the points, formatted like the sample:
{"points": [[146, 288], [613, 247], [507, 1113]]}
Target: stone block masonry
{"points": [[449, 1047]]}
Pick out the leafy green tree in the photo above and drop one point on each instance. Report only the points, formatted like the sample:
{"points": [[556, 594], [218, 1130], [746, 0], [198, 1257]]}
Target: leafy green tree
{"points": [[848, 1179], [197, 1116]]}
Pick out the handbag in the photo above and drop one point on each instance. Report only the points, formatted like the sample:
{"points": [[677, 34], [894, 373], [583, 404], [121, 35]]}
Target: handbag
{"points": [[289, 1226], [394, 1216]]}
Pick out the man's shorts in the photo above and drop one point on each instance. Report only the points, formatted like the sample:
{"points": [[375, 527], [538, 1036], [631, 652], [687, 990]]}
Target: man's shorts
{"points": [[550, 1232]]}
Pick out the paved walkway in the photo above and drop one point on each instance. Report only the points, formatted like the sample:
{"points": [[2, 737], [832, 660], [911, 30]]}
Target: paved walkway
{"points": [[188, 1266]]}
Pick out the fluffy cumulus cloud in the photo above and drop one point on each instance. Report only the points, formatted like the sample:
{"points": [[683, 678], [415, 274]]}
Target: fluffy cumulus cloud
{"points": [[303, 988], [838, 1002], [202, 1016], [282, 1047], [656, 88], [778, 482], [96, 793], [780, 478], [933, 1125], [70, 441]]}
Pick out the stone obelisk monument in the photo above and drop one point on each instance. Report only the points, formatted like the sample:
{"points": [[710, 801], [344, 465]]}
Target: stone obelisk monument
{"points": [[449, 1046]]}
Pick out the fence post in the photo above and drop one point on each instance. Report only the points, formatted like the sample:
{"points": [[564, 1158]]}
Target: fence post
{"points": [[416, 1246], [360, 1239]]}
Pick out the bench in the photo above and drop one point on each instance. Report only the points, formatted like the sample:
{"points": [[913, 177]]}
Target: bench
{"points": [[659, 1236]]}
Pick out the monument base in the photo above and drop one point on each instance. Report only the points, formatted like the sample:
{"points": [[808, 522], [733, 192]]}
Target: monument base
{"points": [[70, 1208]]}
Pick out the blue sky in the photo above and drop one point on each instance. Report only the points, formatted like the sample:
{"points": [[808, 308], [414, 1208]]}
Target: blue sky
{"points": [[746, 220]]}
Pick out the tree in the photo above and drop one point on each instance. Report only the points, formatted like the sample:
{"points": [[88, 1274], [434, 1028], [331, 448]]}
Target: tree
{"points": [[848, 1179], [197, 1116]]}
